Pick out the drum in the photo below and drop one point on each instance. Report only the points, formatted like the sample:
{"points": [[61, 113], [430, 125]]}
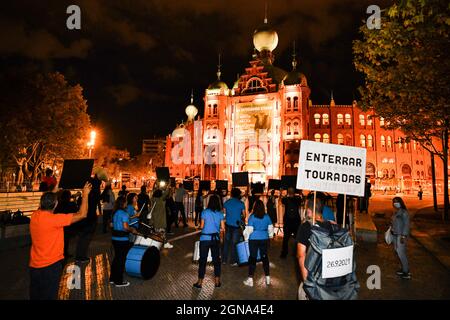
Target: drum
{"points": [[142, 262], [154, 241], [243, 252], [196, 256]]}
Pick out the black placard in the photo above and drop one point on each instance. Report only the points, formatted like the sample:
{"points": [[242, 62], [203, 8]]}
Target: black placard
{"points": [[173, 182], [162, 174], [221, 185], [257, 187], [288, 182], [205, 185], [75, 173], [240, 179], [188, 185], [274, 184]]}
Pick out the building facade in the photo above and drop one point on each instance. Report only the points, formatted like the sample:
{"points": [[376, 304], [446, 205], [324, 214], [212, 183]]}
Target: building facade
{"points": [[258, 123]]}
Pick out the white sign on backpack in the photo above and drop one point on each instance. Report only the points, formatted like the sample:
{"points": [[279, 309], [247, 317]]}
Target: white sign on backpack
{"points": [[337, 262]]}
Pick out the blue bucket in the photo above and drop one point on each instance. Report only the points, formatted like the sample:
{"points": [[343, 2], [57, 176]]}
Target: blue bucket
{"points": [[142, 262], [243, 252]]}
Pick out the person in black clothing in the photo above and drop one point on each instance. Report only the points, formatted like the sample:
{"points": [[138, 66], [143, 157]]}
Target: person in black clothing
{"points": [[364, 201], [88, 225], [251, 200], [172, 212], [198, 206], [66, 205], [291, 219], [123, 192], [143, 202], [272, 207]]}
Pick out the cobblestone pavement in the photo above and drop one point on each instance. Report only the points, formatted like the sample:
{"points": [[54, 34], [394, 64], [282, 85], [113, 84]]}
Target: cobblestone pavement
{"points": [[177, 273]]}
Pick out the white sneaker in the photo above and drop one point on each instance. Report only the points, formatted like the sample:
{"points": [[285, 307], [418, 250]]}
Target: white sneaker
{"points": [[249, 282], [267, 280], [123, 284], [168, 246]]}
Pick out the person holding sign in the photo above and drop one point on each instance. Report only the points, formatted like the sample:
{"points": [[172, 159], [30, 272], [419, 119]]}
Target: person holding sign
{"points": [[291, 219]]}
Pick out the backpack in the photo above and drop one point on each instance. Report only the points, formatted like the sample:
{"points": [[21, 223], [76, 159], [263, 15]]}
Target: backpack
{"points": [[339, 288]]}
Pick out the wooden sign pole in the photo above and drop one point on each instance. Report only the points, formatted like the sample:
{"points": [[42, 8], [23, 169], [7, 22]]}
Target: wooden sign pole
{"points": [[314, 208], [345, 210]]}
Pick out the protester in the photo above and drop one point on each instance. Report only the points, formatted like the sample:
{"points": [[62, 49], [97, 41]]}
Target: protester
{"points": [[420, 193], [120, 241], [48, 181], [291, 219], [212, 225], [234, 215], [123, 192], [327, 212], [198, 207], [272, 207], [252, 199], [304, 232], [400, 231], [88, 225], [258, 231], [132, 213], [159, 218], [364, 201], [108, 200], [47, 244], [66, 205], [179, 198], [171, 212], [143, 201]]}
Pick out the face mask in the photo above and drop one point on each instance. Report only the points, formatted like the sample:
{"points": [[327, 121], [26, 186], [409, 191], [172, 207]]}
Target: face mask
{"points": [[397, 205]]}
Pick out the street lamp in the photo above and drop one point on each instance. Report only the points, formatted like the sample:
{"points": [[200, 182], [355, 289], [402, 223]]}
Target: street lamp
{"points": [[91, 142]]}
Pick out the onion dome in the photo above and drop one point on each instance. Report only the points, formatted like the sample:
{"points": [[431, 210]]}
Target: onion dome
{"points": [[179, 131], [265, 38], [191, 110]]}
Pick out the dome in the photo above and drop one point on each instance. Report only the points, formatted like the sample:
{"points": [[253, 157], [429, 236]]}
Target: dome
{"points": [[191, 112], [217, 85], [295, 77], [265, 38], [178, 132]]}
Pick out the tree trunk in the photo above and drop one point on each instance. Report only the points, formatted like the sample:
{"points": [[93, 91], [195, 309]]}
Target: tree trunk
{"points": [[445, 158], [433, 182]]}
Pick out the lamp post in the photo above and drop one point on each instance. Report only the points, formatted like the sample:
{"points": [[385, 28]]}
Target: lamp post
{"points": [[91, 142]]}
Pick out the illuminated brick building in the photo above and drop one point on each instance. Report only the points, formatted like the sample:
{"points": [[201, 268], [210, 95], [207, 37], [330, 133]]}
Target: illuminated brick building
{"points": [[277, 101]]}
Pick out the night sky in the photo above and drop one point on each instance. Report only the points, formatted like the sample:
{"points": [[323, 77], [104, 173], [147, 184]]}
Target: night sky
{"points": [[137, 60]]}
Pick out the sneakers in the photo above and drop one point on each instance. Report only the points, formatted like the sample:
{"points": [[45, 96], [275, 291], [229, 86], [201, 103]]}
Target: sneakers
{"points": [[249, 282], [234, 264], [399, 272], [167, 245], [123, 284], [406, 276], [267, 280]]}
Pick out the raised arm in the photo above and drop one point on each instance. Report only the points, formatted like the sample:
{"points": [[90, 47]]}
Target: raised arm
{"points": [[82, 213]]}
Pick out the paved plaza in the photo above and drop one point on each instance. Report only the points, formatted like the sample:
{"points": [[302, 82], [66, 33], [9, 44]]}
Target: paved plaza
{"points": [[177, 273]]}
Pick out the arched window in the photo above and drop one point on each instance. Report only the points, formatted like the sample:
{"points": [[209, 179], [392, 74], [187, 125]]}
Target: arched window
{"points": [[340, 119], [317, 119], [288, 107], [317, 137], [295, 103], [369, 121], [381, 122], [362, 120], [209, 110], [296, 128], [288, 165], [340, 138], [383, 141], [215, 109], [254, 85], [325, 119], [288, 128], [326, 138], [348, 119], [348, 140], [362, 140], [389, 142], [369, 141]]}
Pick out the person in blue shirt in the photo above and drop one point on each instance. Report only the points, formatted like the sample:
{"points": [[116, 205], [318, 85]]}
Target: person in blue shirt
{"points": [[132, 213], [258, 230], [212, 225], [234, 212], [120, 241]]}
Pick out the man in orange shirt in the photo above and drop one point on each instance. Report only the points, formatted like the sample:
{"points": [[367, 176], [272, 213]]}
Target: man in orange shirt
{"points": [[47, 244]]}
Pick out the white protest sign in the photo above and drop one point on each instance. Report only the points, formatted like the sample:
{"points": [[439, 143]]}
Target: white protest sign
{"points": [[337, 262], [331, 168]]}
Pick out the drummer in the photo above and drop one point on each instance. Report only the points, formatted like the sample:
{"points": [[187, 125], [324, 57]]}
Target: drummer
{"points": [[120, 240], [132, 213], [213, 226]]}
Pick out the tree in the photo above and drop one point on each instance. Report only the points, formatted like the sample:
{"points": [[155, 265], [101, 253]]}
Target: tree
{"points": [[44, 121], [407, 73]]}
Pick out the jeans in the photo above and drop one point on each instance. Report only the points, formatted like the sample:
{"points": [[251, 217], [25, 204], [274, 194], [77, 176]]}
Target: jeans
{"points": [[121, 249], [254, 246], [44, 282], [290, 229], [87, 230], [232, 235], [180, 207], [400, 249], [215, 254], [107, 215]]}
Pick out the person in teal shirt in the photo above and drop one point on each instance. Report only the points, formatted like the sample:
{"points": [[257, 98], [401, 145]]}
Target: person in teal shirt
{"points": [[234, 213], [131, 210], [212, 225], [258, 230], [120, 240]]}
